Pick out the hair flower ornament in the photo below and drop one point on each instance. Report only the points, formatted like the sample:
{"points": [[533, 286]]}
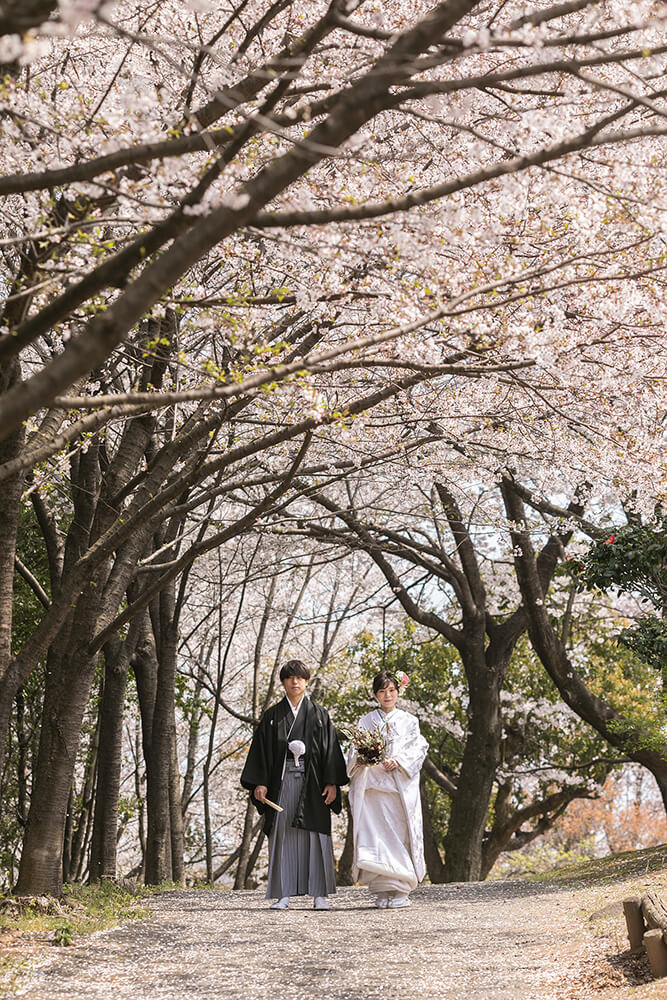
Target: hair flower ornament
{"points": [[403, 680]]}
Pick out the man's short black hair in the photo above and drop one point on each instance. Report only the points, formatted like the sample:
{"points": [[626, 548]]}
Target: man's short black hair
{"points": [[383, 680], [294, 668]]}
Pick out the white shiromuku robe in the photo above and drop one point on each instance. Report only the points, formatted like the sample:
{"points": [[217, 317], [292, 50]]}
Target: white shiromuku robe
{"points": [[386, 807]]}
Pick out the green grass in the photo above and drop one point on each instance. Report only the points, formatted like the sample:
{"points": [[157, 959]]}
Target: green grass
{"points": [[82, 910], [614, 868]]}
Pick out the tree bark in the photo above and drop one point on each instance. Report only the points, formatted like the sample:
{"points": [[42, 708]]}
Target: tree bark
{"points": [[246, 841], [434, 864], [474, 785], [159, 774], [105, 821], [177, 826], [10, 503], [344, 868], [252, 861], [65, 701], [70, 669], [72, 871], [622, 733], [22, 741]]}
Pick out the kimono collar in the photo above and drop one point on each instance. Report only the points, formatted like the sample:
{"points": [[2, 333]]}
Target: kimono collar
{"points": [[295, 711], [387, 715]]}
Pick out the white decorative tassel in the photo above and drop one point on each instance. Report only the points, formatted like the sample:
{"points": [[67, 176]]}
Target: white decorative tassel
{"points": [[296, 748]]}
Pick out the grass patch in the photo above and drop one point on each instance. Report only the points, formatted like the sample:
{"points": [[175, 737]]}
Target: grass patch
{"points": [[614, 868], [82, 909], [28, 933]]}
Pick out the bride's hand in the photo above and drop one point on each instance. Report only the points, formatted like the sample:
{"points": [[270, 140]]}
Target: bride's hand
{"points": [[389, 765]]}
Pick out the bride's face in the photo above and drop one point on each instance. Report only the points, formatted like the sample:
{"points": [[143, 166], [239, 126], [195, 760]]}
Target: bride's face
{"points": [[387, 697]]}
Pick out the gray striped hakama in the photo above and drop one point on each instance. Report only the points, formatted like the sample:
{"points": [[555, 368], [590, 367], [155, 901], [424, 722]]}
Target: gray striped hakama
{"points": [[301, 862]]}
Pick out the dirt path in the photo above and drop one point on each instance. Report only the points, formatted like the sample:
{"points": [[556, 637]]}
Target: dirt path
{"points": [[493, 941]]}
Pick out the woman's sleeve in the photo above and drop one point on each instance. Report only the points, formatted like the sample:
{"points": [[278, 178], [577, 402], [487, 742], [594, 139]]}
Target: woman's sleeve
{"points": [[412, 750]]}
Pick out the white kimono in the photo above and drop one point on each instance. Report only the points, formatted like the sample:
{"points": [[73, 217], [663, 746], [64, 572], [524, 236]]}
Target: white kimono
{"points": [[386, 807]]}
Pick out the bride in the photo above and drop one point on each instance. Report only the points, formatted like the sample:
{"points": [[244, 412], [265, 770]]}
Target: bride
{"points": [[385, 803]]}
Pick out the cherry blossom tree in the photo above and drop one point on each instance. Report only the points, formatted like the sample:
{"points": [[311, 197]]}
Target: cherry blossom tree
{"points": [[231, 235], [548, 758]]}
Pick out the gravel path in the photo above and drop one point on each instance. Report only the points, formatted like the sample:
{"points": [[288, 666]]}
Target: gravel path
{"points": [[492, 941]]}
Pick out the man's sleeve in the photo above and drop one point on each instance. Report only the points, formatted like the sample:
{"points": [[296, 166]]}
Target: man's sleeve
{"points": [[256, 770], [335, 770]]}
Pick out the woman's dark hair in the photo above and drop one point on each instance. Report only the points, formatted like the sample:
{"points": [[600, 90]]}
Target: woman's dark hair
{"points": [[294, 668], [383, 680]]}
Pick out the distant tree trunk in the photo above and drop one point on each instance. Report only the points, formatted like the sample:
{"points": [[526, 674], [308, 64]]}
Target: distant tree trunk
{"points": [[145, 668], [22, 741], [79, 845], [244, 853], [10, 504], [253, 859], [220, 676], [344, 869], [160, 864], [497, 838], [194, 728], [139, 793], [105, 824], [68, 836], [177, 826], [434, 865], [208, 835], [233, 857], [157, 862]]}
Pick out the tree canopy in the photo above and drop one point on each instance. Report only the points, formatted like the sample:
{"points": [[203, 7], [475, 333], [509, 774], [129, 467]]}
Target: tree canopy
{"points": [[374, 277]]}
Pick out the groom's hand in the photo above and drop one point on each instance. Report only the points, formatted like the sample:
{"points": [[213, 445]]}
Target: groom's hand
{"points": [[260, 792], [329, 794]]}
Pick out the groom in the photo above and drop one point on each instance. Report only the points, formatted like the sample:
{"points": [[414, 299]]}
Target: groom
{"points": [[306, 785]]}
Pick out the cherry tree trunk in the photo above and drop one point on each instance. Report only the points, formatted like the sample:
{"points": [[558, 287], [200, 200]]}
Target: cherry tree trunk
{"points": [[75, 847], [434, 864], [470, 805], [344, 869], [68, 681], [105, 822], [10, 502], [176, 822], [70, 668], [245, 847], [162, 798]]}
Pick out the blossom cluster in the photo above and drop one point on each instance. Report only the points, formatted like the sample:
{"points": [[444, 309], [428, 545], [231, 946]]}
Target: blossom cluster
{"points": [[370, 744]]}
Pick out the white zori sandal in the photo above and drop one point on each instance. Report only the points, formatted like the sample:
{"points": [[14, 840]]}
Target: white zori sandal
{"points": [[397, 902], [280, 904]]}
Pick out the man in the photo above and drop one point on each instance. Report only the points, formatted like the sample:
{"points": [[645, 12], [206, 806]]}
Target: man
{"points": [[306, 785]]}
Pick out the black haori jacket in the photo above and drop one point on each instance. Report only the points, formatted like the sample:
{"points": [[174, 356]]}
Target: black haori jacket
{"points": [[323, 761]]}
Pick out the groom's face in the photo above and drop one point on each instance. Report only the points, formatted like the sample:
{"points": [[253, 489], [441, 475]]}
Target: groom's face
{"points": [[295, 687]]}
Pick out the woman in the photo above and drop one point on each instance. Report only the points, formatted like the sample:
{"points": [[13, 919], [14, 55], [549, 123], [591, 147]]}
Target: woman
{"points": [[385, 803], [295, 761]]}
